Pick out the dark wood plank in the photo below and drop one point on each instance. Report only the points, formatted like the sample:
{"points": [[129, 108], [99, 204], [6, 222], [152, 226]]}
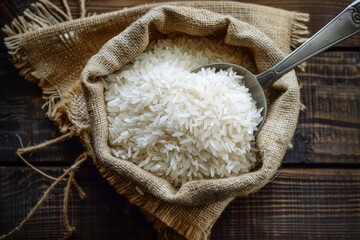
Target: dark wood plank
{"points": [[21, 113], [12, 8], [103, 214], [329, 129], [299, 204]]}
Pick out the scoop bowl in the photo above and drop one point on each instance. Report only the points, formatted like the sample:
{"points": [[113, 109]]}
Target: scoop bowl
{"points": [[344, 25]]}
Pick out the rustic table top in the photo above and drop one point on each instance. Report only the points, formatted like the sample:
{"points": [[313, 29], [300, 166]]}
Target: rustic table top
{"points": [[315, 196]]}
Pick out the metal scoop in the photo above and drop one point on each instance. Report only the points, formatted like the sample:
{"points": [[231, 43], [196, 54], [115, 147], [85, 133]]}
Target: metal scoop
{"points": [[346, 24]]}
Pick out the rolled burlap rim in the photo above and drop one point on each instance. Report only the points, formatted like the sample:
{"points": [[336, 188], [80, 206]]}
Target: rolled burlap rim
{"points": [[272, 141], [35, 41]]}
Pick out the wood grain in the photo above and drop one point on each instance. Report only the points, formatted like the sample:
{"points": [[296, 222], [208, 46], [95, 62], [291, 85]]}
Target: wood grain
{"points": [[21, 113], [104, 214], [11, 9], [300, 204], [329, 128]]}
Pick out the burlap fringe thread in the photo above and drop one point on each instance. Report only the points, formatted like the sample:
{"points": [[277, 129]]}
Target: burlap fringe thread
{"points": [[43, 14], [39, 15]]}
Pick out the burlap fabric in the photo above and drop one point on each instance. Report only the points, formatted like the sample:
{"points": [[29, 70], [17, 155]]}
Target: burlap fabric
{"points": [[51, 50]]}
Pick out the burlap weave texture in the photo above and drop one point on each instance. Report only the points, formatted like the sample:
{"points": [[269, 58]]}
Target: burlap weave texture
{"points": [[62, 48]]}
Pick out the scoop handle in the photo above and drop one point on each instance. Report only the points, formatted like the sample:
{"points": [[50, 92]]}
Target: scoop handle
{"points": [[346, 24]]}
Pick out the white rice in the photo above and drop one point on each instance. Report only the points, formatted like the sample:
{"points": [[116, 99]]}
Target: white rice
{"points": [[179, 125]]}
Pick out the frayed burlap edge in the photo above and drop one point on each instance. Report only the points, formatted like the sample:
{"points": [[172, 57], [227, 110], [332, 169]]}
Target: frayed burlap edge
{"points": [[162, 214], [35, 18], [271, 140], [44, 14]]}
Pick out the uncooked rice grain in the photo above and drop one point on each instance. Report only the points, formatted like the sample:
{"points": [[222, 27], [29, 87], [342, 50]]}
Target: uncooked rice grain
{"points": [[179, 125]]}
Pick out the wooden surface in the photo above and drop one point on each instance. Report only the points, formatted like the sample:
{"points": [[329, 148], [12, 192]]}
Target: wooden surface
{"points": [[300, 204], [316, 195]]}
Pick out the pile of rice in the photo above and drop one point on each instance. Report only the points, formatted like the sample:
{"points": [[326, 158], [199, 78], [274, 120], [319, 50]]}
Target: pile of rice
{"points": [[179, 125]]}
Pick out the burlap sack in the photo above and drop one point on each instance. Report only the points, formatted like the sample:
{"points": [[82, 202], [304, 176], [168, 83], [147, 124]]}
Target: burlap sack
{"points": [[272, 140], [52, 51]]}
